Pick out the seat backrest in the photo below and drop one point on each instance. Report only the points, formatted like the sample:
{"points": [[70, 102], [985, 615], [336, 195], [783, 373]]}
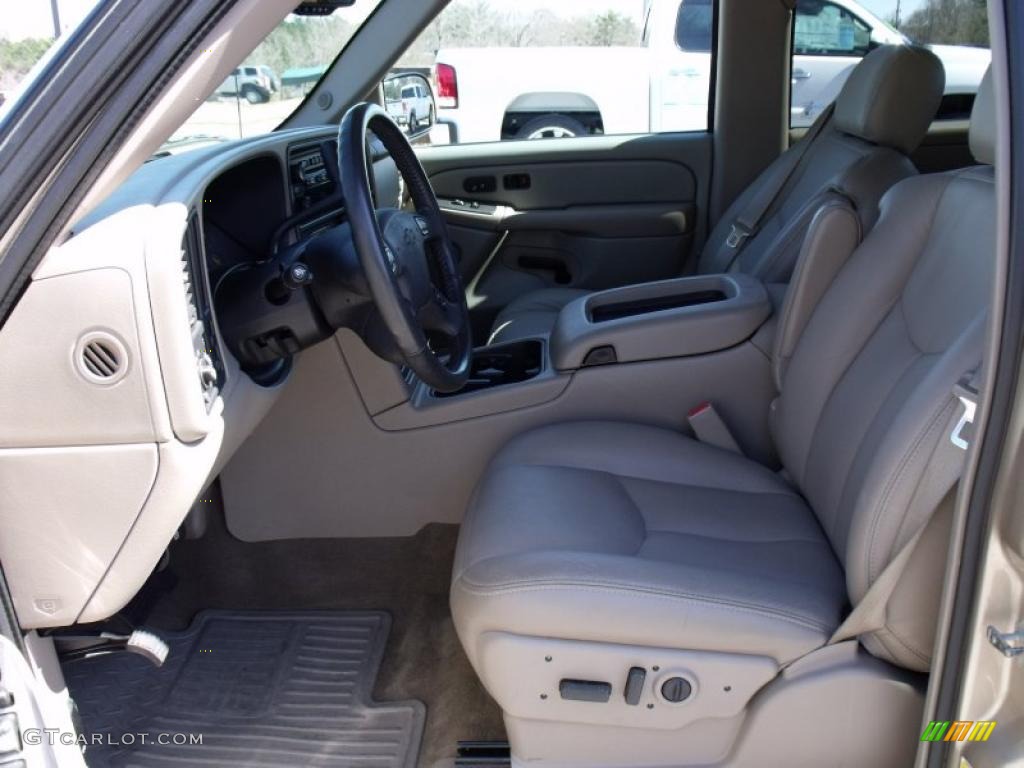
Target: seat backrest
{"points": [[863, 397], [881, 114]]}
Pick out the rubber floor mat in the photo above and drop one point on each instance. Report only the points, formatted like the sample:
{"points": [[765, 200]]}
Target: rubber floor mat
{"points": [[258, 688]]}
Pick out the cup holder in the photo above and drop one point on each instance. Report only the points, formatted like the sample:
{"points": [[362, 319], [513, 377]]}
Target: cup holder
{"points": [[502, 364]]}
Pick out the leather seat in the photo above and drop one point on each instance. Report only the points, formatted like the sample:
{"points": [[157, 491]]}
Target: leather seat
{"points": [[632, 534], [641, 537], [881, 114]]}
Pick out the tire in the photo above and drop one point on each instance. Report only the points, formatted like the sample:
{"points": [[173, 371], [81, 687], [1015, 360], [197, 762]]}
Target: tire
{"points": [[551, 127], [430, 117], [255, 95], [413, 123]]}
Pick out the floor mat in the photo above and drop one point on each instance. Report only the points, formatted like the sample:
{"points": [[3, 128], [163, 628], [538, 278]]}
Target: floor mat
{"points": [[262, 689]]}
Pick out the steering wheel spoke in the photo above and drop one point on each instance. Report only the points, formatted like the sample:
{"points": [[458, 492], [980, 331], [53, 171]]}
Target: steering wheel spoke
{"points": [[441, 315]]}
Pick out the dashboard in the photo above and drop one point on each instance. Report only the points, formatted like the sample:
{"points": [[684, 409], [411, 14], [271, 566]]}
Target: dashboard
{"points": [[131, 402]]}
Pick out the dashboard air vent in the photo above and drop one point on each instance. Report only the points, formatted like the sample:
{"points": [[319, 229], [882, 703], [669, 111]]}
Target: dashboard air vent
{"points": [[101, 358]]}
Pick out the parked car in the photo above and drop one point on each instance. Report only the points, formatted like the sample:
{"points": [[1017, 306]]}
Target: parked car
{"points": [[663, 84], [251, 83], [272, 77], [413, 106]]}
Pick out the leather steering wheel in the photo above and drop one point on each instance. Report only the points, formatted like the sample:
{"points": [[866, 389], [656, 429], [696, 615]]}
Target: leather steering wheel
{"points": [[406, 256]]}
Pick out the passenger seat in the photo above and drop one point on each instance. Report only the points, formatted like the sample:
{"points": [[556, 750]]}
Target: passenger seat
{"points": [[879, 117]]}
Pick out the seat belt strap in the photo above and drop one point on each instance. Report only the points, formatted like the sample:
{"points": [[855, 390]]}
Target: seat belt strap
{"points": [[709, 428], [941, 474], [749, 220]]}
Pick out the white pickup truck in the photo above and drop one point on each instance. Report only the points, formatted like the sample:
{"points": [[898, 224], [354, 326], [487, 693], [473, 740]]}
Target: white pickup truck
{"points": [[486, 94]]}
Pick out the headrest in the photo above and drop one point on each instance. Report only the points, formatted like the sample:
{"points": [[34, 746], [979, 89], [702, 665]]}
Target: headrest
{"points": [[983, 122], [891, 96]]}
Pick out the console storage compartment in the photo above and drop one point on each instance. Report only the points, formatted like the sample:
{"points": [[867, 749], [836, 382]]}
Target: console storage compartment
{"points": [[668, 318]]}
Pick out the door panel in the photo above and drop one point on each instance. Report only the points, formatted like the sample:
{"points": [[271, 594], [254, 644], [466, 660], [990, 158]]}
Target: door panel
{"points": [[591, 213]]}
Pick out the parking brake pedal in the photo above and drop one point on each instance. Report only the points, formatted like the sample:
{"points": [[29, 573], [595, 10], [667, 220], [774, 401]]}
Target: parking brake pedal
{"points": [[143, 642]]}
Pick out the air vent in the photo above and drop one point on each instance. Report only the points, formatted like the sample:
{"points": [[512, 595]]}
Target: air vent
{"points": [[101, 358]]}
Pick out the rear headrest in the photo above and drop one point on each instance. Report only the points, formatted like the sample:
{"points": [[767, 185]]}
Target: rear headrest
{"points": [[983, 122], [891, 96]]}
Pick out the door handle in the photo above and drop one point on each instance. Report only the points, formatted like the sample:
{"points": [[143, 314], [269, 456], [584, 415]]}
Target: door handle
{"points": [[801, 74], [1009, 644]]}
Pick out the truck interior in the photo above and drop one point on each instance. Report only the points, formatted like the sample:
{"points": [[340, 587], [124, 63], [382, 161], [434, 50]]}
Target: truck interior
{"points": [[337, 447]]}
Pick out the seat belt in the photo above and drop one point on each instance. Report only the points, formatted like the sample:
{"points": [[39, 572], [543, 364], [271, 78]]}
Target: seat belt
{"points": [[940, 476], [749, 220]]}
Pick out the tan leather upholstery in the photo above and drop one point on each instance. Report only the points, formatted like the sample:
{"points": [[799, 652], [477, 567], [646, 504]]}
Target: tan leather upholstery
{"points": [[862, 154], [891, 97], [636, 535], [983, 123], [533, 314]]}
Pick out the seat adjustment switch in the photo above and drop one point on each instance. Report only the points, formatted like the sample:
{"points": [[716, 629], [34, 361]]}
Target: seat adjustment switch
{"points": [[585, 690], [635, 685], [676, 689]]}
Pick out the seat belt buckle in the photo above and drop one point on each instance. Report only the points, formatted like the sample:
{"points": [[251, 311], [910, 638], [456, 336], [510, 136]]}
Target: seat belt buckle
{"points": [[967, 394], [737, 235], [709, 428]]}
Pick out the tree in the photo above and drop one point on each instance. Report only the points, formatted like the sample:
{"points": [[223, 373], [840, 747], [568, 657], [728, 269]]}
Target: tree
{"points": [[478, 24], [17, 57], [950, 22], [302, 42], [610, 28]]}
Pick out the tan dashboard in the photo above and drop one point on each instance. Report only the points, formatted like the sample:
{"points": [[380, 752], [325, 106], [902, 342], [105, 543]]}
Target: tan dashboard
{"points": [[119, 402]]}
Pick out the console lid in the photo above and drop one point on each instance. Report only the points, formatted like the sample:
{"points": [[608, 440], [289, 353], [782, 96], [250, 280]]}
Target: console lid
{"points": [[668, 318]]}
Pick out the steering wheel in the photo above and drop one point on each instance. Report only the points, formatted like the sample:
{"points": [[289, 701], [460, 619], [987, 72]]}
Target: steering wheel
{"points": [[406, 256]]}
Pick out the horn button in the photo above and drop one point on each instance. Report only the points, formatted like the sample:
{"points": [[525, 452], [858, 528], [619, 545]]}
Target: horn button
{"points": [[406, 252]]}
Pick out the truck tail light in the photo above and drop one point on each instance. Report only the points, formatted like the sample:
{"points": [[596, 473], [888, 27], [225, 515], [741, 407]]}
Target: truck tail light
{"points": [[447, 86]]}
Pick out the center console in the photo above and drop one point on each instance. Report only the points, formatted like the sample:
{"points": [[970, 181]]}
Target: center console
{"points": [[680, 321], [670, 318]]}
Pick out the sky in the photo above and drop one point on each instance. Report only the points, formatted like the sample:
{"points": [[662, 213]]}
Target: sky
{"points": [[34, 18]]}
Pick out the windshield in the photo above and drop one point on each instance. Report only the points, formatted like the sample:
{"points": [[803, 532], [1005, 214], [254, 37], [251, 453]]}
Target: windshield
{"points": [[273, 80]]}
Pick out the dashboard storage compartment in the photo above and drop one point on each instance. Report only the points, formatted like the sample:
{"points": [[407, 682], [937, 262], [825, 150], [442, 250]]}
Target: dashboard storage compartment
{"points": [[650, 321]]}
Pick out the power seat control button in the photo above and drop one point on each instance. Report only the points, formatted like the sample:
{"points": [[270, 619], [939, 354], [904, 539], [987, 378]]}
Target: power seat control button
{"points": [[635, 685], [585, 690]]}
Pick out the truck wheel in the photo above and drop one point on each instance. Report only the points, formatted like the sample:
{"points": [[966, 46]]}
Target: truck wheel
{"points": [[551, 127], [414, 123], [254, 95]]}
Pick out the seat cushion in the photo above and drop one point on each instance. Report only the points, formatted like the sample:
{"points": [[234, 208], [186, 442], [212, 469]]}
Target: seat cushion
{"points": [[630, 534], [532, 314]]}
